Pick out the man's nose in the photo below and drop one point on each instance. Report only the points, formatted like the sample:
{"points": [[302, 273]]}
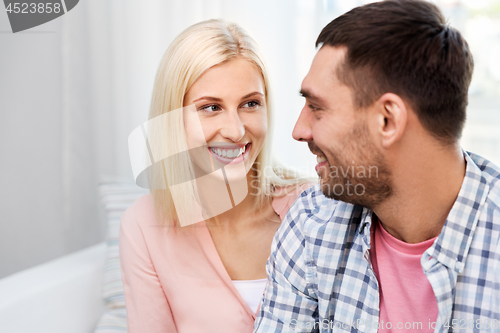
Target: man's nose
{"points": [[302, 129], [232, 128]]}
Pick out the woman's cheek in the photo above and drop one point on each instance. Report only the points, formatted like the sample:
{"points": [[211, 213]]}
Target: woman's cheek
{"points": [[209, 130], [259, 124]]}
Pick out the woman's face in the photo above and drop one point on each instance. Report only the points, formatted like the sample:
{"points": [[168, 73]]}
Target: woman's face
{"points": [[230, 105]]}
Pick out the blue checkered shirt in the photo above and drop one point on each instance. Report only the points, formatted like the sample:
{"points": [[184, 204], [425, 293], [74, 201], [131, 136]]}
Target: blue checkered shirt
{"points": [[320, 277]]}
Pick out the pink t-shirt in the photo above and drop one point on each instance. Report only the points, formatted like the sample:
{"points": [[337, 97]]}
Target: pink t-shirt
{"points": [[407, 301]]}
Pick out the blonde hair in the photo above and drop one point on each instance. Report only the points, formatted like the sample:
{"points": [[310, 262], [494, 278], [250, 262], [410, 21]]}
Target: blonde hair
{"points": [[194, 51]]}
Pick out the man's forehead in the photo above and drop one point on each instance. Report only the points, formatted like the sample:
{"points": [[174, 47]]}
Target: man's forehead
{"points": [[327, 59], [324, 67]]}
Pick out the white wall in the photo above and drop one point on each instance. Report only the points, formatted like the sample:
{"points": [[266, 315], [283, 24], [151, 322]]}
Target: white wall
{"points": [[31, 198]]}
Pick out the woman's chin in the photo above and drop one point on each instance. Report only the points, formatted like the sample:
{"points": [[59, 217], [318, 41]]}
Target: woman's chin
{"points": [[228, 173], [235, 172]]}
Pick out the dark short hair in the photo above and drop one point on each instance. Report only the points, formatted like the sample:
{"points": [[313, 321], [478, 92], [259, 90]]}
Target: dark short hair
{"points": [[405, 47]]}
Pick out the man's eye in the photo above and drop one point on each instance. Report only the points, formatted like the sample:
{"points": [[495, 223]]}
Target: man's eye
{"points": [[313, 108], [210, 108]]}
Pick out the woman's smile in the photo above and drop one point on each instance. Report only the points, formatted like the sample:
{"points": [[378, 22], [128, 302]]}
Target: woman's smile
{"points": [[229, 153]]}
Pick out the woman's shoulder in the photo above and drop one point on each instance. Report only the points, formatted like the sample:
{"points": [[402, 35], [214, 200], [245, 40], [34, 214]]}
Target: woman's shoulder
{"points": [[285, 196], [140, 212]]}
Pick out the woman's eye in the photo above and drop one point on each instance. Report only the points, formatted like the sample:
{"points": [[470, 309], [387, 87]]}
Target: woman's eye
{"points": [[210, 108], [252, 104]]}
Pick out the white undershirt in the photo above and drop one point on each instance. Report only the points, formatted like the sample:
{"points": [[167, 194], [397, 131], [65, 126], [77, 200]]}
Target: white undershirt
{"points": [[251, 291]]}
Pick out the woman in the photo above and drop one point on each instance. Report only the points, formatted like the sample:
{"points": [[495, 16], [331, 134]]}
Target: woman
{"points": [[193, 252]]}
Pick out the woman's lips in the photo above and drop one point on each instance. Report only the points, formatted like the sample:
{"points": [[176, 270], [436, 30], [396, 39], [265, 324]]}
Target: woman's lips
{"points": [[228, 160]]}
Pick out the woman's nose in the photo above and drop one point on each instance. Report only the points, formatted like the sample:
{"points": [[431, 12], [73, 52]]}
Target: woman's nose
{"points": [[232, 127]]}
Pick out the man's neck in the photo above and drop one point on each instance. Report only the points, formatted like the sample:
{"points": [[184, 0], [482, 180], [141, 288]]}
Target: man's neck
{"points": [[425, 188]]}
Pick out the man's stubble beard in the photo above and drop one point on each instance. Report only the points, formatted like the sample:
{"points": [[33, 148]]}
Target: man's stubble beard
{"points": [[368, 189]]}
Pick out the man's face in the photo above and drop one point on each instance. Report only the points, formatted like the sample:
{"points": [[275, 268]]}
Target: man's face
{"points": [[351, 167]]}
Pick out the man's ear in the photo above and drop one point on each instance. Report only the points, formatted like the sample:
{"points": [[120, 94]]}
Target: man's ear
{"points": [[392, 115]]}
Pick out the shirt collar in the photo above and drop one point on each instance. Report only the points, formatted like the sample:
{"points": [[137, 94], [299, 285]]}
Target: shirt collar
{"points": [[365, 226], [452, 245]]}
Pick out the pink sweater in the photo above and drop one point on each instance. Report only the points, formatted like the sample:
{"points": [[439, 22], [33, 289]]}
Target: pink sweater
{"points": [[175, 281]]}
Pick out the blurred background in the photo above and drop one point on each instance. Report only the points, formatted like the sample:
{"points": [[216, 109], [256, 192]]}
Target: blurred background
{"points": [[72, 90]]}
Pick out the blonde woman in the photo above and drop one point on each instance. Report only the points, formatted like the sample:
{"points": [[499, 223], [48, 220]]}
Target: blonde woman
{"points": [[192, 259]]}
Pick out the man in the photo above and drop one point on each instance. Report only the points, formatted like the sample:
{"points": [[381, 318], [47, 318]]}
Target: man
{"points": [[411, 240]]}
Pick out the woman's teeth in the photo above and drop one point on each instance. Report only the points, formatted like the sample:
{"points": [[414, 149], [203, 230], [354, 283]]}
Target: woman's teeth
{"points": [[320, 159], [228, 153]]}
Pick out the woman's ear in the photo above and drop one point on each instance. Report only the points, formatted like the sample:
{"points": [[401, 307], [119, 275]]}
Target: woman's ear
{"points": [[392, 114]]}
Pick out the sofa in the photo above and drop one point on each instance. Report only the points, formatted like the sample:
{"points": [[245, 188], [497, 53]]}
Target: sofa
{"points": [[60, 296], [79, 293]]}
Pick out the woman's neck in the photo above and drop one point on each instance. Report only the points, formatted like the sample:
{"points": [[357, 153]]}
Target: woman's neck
{"points": [[239, 210]]}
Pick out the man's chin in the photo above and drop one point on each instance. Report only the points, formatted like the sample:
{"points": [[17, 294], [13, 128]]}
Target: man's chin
{"points": [[326, 189], [338, 191]]}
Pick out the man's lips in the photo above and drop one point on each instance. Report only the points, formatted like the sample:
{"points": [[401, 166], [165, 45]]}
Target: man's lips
{"points": [[321, 163], [320, 157]]}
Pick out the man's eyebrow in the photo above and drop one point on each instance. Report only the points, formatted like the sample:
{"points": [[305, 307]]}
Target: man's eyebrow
{"points": [[309, 95]]}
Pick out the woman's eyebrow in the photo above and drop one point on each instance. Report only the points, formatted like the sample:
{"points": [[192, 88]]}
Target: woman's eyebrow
{"points": [[252, 94], [209, 98], [217, 99]]}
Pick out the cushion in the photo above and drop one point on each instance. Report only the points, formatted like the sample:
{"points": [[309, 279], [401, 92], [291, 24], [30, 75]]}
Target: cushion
{"points": [[116, 195], [112, 320]]}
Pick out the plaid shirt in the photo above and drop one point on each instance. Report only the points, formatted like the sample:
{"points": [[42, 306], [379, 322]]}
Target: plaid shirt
{"points": [[320, 277]]}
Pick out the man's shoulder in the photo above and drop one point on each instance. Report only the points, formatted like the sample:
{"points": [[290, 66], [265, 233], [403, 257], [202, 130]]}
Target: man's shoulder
{"points": [[312, 202], [315, 214]]}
